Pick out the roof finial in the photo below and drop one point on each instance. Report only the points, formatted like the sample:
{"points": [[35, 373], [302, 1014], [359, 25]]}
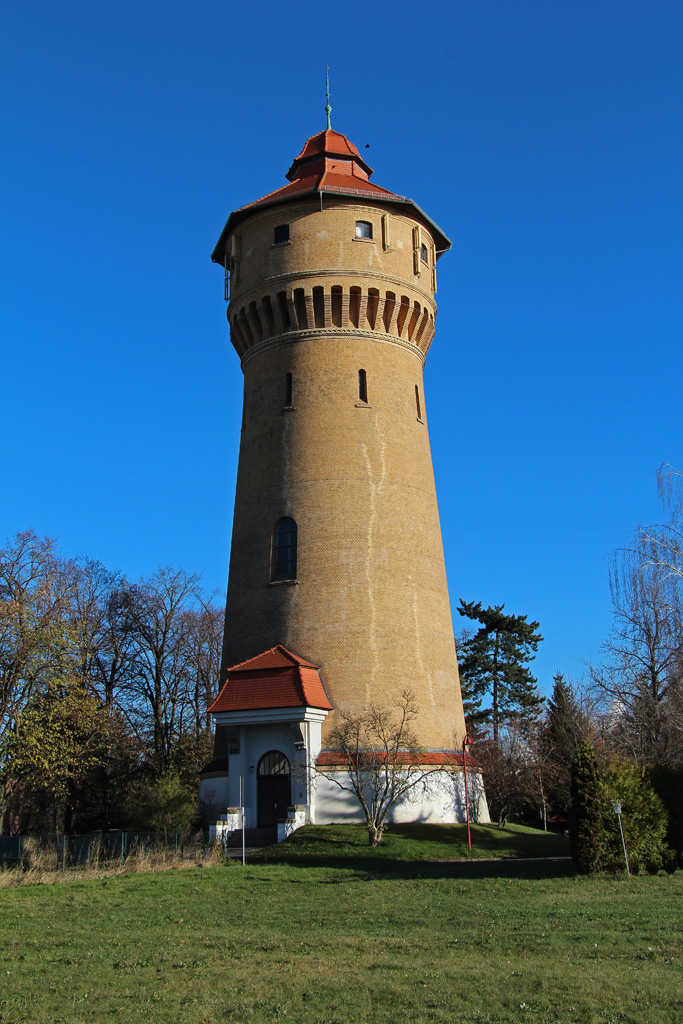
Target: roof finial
{"points": [[328, 108]]}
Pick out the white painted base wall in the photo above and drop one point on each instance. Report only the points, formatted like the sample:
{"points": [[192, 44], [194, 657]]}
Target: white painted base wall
{"points": [[213, 797], [439, 799]]}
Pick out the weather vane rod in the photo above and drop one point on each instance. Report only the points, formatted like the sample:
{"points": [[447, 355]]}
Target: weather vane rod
{"points": [[328, 108]]}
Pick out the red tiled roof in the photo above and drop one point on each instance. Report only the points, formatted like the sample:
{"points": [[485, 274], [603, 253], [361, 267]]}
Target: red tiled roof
{"points": [[336, 759], [274, 679], [332, 145], [329, 180], [328, 162]]}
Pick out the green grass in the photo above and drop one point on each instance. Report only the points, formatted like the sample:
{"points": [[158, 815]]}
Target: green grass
{"points": [[337, 845], [410, 942]]}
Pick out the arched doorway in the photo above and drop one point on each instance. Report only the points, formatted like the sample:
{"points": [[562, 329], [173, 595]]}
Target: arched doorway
{"points": [[274, 782]]}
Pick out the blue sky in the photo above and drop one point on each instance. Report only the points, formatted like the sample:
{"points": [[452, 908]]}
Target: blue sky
{"points": [[544, 137]]}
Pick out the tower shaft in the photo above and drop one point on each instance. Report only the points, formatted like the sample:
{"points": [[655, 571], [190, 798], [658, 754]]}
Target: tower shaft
{"points": [[332, 327]]}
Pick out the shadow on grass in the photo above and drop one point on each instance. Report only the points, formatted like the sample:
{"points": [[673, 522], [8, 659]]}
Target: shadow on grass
{"points": [[520, 843], [373, 868]]}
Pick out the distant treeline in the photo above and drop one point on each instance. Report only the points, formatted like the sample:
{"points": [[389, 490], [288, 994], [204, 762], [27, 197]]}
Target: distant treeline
{"points": [[104, 686], [620, 726]]}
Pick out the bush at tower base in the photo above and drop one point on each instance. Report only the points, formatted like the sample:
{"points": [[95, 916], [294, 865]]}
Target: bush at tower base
{"points": [[595, 836], [643, 818]]}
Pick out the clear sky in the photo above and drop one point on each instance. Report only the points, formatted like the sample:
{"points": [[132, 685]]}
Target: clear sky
{"points": [[544, 137]]}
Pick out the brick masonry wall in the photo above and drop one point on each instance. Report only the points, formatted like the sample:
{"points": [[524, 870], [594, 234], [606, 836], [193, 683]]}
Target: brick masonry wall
{"points": [[370, 604]]}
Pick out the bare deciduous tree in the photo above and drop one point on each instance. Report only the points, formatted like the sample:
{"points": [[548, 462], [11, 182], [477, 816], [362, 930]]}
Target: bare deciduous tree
{"points": [[518, 771], [642, 652], [158, 620], [33, 630], [665, 540], [379, 759], [145, 655]]}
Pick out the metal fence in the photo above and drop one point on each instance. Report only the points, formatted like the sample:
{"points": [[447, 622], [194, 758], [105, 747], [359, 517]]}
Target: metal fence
{"points": [[56, 852]]}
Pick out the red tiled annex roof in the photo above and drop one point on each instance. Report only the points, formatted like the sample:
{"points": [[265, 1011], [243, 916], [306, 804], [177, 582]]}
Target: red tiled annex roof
{"points": [[336, 759], [275, 679]]}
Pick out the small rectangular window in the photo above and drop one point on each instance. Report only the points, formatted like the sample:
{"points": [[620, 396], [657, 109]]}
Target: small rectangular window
{"points": [[424, 256], [281, 234], [363, 229]]}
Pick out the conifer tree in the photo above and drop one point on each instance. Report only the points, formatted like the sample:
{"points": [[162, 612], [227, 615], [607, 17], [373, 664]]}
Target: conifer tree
{"points": [[565, 727], [586, 832], [494, 662]]}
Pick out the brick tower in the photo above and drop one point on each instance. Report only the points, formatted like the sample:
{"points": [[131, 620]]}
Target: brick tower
{"points": [[336, 546]]}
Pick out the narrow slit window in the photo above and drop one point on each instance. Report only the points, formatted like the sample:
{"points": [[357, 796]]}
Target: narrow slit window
{"points": [[417, 402], [363, 229], [289, 391], [362, 386], [424, 255], [281, 234], [284, 550]]}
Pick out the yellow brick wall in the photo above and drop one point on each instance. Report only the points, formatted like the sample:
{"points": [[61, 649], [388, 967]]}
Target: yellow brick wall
{"points": [[370, 604]]}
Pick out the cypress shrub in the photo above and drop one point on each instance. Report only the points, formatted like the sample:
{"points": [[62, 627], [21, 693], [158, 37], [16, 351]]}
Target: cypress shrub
{"points": [[586, 832]]}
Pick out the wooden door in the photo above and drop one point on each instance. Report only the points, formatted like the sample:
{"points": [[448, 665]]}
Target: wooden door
{"points": [[274, 788]]}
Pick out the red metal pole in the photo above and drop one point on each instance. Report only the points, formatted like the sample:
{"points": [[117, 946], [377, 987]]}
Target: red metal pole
{"points": [[466, 741]]}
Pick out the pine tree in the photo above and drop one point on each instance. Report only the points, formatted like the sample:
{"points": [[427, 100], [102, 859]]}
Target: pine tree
{"points": [[494, 661], [586, 832], [565, 727]]}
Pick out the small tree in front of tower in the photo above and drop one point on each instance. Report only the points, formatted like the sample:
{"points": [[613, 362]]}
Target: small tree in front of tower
{"points": [[379, 759]]}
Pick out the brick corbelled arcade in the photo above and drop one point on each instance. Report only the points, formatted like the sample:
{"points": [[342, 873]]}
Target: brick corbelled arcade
{"points": [[337, 593]]}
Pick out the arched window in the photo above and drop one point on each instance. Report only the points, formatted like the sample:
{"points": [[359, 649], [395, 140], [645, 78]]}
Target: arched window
{"points": [[274, 763], [284, 550], [363, 229], [362, 386]]}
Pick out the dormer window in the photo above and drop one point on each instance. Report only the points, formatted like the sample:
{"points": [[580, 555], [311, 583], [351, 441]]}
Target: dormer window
{"points": [[363, 229], [281, 234]]}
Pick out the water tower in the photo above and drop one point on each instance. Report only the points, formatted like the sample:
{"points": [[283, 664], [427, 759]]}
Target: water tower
{"points": [[337, 593]]}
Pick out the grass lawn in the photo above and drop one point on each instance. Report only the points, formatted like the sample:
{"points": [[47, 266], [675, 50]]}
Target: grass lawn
{"points": [[341, 844], [346, 940]]}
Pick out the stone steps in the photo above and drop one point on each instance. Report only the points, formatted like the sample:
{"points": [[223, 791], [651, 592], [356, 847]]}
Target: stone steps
{"points": [[253, 837]]}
